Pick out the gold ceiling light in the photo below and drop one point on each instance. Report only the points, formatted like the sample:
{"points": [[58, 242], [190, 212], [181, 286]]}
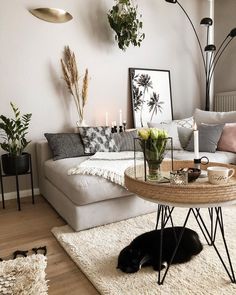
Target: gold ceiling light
{"points": [[53, 15]]}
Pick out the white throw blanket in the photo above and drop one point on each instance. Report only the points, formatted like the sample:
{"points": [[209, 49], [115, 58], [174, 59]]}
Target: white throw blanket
{"points": [[109, 165]]}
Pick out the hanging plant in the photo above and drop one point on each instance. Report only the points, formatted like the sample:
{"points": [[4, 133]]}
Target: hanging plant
{"points": [[124, 20]]}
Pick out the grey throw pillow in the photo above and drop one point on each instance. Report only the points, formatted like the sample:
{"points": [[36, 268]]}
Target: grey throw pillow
{"points": [[184, 135], [125, 141], [65, 145], [214, 117], [209, 136], [97, 139]]}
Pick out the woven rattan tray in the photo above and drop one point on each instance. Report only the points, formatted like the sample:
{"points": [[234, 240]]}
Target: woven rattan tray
{"points": [[194, 194]]}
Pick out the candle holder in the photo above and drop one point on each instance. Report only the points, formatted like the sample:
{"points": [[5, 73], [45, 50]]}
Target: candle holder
{"points": [[178, 177], [120, 128], [197, 164], [115, 129], [124, 125]]}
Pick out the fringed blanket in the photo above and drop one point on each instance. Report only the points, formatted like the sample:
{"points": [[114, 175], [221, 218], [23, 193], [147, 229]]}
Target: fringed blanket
{"points": [[109, 165]]}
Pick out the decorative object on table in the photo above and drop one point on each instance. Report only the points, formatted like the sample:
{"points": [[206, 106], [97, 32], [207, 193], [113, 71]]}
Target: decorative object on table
{"points": [[14, 142], [124, 20], [24, 275], [153, 143], [193, 174], [179, 177], [219, 174], [72, 79], [212, 56], [151, 96], [53, 15]]}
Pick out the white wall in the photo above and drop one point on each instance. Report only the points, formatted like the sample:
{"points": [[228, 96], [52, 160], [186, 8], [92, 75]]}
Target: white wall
{"points": [[30, 73], [226, 69]]}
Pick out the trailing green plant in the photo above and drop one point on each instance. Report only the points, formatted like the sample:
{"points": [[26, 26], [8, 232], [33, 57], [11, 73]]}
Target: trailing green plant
{"points": [[124, 20], [14, 132]]}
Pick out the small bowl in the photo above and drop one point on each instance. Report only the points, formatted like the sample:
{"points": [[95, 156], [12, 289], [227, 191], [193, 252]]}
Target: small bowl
{"points": [[193, 174]]}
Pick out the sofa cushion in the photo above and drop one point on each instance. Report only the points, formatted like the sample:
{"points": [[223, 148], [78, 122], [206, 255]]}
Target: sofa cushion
{"points": [[214, 117], [65, 145], [172, 131], [209, 136], [125, 141], [184, 135], [186, 122], [97, 139], [81, 189], [227, 140]]}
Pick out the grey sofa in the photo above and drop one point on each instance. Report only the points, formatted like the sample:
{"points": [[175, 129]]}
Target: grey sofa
{"points": [[86, 201]]}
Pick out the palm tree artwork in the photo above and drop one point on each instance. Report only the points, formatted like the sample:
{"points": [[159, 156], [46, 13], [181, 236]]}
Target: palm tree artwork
{"points": [[155, 105], [142, 83]]}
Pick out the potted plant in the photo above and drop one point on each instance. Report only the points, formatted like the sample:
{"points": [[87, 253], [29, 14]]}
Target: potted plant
{"points": [[123, 19], [14, 142]]}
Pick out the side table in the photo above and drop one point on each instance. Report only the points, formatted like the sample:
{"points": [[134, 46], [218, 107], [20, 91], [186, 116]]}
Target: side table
{"points": [[195, 196], [2, 176]]}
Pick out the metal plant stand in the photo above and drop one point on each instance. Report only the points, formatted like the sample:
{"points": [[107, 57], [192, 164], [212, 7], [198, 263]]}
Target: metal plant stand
{"points": [[2, 176]]}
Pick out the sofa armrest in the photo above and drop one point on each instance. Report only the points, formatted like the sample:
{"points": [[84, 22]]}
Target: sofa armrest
{"points": [[43, 153]]}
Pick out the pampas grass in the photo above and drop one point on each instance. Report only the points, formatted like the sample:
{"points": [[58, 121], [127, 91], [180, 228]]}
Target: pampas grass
{"points": [[71, 77]]}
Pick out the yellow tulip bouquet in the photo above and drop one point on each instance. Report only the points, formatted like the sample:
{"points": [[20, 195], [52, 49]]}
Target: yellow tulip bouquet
{"points": [[153, 143]]}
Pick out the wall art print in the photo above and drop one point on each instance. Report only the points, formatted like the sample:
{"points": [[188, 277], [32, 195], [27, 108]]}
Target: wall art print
{"points": [[151, 96]]}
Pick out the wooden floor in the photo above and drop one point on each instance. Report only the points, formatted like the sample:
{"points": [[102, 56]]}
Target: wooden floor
{"points": [[30, 227]]}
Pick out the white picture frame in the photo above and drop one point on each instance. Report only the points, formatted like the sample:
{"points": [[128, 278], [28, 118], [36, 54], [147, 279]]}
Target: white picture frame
{"points": [[151, 96]]}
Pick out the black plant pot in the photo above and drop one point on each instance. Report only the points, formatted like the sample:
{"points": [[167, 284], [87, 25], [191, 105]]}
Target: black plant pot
{"points": [[12, 165]]}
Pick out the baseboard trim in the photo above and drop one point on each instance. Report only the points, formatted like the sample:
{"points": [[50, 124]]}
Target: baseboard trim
{"points": [[23, 193]]}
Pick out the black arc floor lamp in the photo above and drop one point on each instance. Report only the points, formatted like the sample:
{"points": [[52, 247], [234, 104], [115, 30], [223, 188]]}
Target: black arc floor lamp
{"points": [[212, 55]]}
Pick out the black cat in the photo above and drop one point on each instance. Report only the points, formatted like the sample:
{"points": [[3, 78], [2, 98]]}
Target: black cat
{"points": [[144, 250]]}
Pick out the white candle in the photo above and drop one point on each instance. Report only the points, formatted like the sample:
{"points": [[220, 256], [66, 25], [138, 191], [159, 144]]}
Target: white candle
{"points": [[120, 112], [106, 120], [196, 141]]}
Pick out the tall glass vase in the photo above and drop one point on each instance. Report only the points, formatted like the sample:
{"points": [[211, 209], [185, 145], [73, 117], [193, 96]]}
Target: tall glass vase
{"points": [[154, 152]]}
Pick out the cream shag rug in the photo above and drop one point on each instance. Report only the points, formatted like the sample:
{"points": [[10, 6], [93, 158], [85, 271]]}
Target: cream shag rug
{"points": [[95, 251], [24, 276]]}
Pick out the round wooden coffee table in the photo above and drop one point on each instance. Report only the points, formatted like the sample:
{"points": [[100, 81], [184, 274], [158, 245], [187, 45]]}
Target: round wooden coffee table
{"points": [[195, 195]]}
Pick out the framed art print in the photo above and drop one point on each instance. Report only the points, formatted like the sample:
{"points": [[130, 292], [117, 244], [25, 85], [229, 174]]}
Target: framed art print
{"points": [[151, 96]]}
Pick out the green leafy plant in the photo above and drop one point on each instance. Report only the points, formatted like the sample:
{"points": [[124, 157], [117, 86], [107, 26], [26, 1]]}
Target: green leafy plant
{"points": [[124, 20], [14, 132]]}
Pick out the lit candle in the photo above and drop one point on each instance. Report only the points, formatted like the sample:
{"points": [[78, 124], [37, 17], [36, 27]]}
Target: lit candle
{"points": [[106, 115], [196, 141], [120, 112]]}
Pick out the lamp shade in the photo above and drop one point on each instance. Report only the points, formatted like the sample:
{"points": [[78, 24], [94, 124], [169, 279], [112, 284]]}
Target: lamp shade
{"points": [[232, 33], [210, 47], [172, 1], [206, 21]]}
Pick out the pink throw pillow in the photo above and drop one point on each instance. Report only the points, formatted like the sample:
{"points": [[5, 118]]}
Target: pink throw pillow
{"points": [[227, 140]]}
